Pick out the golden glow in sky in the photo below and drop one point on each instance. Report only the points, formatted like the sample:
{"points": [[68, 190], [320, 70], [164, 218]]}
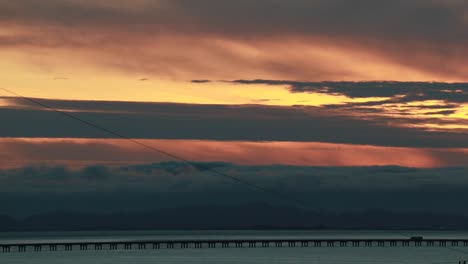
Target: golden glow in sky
{"points": [[111, 86], [94, 83]]}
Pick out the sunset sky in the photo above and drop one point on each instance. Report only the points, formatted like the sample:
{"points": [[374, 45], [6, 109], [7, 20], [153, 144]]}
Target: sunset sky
{"points": [[327, 83]]}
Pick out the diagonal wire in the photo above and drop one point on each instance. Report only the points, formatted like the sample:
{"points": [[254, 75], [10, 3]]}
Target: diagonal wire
{"points": [[198, 166]]}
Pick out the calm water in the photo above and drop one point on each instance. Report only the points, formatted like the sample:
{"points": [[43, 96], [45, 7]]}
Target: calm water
{"points": [[259, 255]]}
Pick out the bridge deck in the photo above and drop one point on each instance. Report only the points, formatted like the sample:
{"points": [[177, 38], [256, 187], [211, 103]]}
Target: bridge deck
{"points": [[225, 243]]}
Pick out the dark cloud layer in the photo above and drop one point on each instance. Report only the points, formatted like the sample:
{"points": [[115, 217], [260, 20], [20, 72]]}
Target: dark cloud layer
{"points": [[146, 187], [399, 92], [403, 98], [180, 177], [427, 35], [433, 21], [216, 122]]}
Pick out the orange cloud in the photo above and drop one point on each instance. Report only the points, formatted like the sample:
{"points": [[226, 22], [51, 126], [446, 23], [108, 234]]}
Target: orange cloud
{"points": [[82, 152], [298, 39], [174, 56]]}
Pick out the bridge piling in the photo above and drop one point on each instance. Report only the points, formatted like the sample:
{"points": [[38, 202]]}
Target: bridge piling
{"points": [[6, 248], [22, 248], [142, 244]]}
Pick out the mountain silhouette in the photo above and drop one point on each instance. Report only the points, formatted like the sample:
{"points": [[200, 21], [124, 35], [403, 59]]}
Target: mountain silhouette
{"points": [[249, 216]]}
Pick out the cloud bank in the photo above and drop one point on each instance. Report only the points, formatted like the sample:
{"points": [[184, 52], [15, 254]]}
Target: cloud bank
{"points": [[165, 185], [220, 122], [399, 92], [297, 39], [79, 153], [180, 177]]}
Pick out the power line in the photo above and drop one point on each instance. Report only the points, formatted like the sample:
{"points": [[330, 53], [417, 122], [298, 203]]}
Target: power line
{"points": [[200, 167]]}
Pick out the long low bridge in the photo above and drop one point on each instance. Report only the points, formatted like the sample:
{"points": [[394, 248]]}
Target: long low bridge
{"points": [[220, 243]]}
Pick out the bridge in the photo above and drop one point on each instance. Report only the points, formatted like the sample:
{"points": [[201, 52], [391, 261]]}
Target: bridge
{"points": [[220, 243]]}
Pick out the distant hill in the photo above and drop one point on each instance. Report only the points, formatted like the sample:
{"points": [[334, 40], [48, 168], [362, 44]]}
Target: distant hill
{"points": [[253, 216]]}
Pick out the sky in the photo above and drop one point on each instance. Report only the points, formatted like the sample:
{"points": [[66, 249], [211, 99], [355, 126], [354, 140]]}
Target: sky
{"points": [[297, 83]]}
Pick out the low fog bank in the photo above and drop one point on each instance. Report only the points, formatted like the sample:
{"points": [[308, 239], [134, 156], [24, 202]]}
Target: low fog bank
{"points": [[99, 189]]}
